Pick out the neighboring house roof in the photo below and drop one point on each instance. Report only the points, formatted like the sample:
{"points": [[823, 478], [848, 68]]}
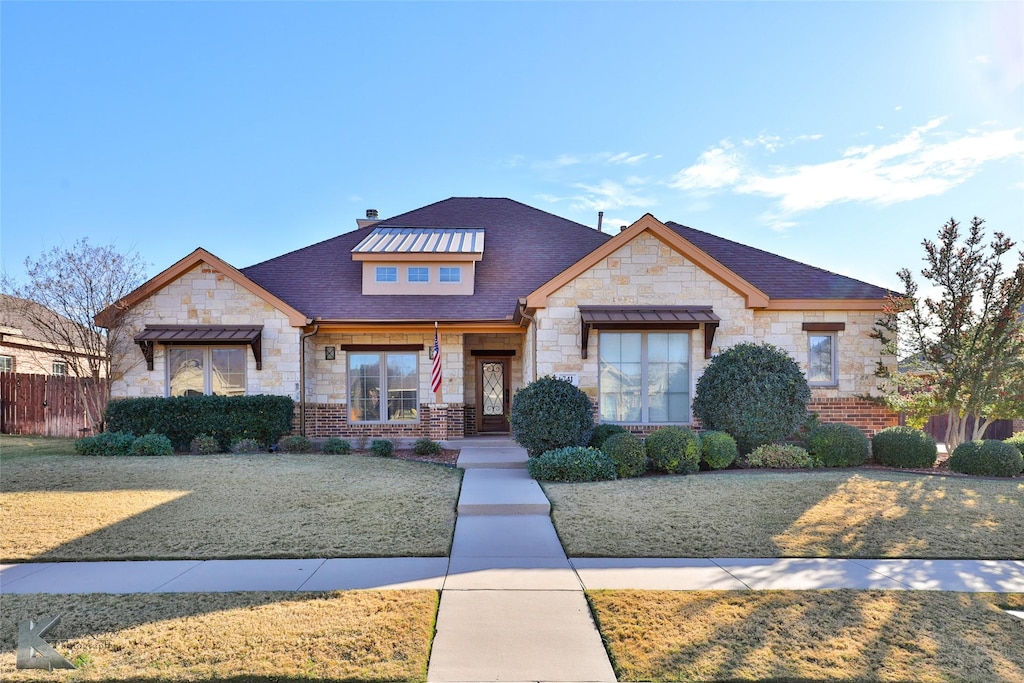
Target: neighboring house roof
{"points": [[18, 325], [525, 247]]}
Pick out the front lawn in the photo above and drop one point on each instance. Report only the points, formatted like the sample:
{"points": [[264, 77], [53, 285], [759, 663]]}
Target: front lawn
{"points": [[828, 513], [844, 635], [60, 507], [335, 636]]}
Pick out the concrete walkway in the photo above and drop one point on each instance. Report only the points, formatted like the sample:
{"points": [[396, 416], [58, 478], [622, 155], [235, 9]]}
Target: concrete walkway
{"points": [[512, 605]]}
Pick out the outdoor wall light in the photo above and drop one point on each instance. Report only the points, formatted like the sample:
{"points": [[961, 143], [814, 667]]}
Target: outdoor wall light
{"points": [[329, 353]]}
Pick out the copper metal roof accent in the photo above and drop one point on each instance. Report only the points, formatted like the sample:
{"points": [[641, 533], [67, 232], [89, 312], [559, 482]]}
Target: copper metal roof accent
{"points": [[648, 318], [201, 334], [422, 241]]}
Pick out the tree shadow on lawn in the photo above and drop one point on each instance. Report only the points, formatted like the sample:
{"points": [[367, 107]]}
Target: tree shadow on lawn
{"points": [[839, 635]]}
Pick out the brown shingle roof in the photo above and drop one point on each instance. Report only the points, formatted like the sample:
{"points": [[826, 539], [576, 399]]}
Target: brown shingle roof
{"points": [[525, 248]]}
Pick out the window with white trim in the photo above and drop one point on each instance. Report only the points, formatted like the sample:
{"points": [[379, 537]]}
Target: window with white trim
{"points": [[6, 363], [645, 377], [383, 386], [386, 274], [59, 368], [418, 274], [821, 359], [198, 370], [450, 274]]}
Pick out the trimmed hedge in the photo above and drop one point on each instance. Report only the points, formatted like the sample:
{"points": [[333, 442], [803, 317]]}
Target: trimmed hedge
{"points": [[835, 444], [627, 452], [718, 450], [780, 456], [989, 458], [573, 463], [602, 432], [105, 443], [1016, 440], [675, 450], [904, 447], [550, 413], [183, 418], [755, 392]]}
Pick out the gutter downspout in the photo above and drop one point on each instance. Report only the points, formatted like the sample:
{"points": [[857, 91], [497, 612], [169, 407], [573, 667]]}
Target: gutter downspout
{"points": [[533, 343], [302, 377]]}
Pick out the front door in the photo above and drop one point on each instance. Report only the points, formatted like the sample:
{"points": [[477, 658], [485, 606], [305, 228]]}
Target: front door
{"points": [[492, 395]]}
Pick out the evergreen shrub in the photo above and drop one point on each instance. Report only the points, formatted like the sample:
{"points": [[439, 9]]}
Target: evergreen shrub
{"points": [[718, 450], [572, 463], [426, 446], [336, 446], [835, 444], [152, 444], [603, 431], [675, 450], [382, 448], [105, 443], [550, 413], [780, 456], [754, 392], [295, 443], [988, 457], [247, 446], [1016, 440], [904, 447], [204, 444], [627, 453]]}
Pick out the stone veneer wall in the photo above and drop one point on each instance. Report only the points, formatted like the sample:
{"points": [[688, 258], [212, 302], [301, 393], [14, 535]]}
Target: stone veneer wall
{"points": [[490, 342], [205, 296], [647, 272]]}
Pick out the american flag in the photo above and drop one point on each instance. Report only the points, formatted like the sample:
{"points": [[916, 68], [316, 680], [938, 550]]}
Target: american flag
{"points": [[435, 372]]}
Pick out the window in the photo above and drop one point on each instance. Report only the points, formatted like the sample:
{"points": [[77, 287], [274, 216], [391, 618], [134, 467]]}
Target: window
{"points": [[198, 370], [387, 274], [645, 377], [418, 274], [450, 274], [821, 359], [6, 363], [60, 368], [383, 387]]}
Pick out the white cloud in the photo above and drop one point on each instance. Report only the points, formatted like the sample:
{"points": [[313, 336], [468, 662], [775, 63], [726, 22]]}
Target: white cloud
{"points": [[923, 163], [626, 158], [607, 195]]}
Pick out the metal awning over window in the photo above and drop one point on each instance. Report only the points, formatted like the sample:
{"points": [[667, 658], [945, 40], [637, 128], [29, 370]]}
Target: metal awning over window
{"points": [[202, 335], [648, 318]]}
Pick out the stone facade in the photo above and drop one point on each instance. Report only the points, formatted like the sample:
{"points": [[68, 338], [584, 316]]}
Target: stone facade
{"points": [[205, 296]]}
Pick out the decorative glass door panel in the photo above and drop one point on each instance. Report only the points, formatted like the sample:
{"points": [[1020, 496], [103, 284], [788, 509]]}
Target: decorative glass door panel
{"points": [[493, 375], [492, 394]]}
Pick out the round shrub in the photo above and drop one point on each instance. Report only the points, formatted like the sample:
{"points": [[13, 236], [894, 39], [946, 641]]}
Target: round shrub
{"points": [[628, 454], [835, 444], [382, 448], [152, 444], [717, 450], [674, 449], [990, 458], [246, 446], [780, 456], [105, 443], [336, 446], [550, 413], [1016, 440], [426, 446], [602, 432], [573, 463], [204, 444], [904, 447], [755, 392], [295, 443]]}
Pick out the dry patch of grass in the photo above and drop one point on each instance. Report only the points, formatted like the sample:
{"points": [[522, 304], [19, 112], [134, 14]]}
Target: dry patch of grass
{"points": [[224, 506], [14, 446], [366, 636], [791, 514], [811, 636]]}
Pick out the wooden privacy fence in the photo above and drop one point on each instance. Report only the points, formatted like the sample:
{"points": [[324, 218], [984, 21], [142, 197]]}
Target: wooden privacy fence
{"points": [[47, 405]]}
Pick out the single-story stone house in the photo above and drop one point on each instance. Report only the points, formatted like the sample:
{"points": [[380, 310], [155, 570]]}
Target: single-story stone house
{"points": [[347, 326]]}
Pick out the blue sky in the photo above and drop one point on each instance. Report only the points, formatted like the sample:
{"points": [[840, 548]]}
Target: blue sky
{"points": [[837, 134]]}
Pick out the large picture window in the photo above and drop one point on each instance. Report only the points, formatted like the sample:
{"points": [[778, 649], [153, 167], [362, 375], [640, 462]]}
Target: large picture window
{"points": [[383, 387], [645, 377], [198, 370]]}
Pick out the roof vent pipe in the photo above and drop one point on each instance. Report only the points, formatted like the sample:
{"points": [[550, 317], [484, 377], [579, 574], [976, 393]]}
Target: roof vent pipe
{"points": [[600, 220], [372, 214]]}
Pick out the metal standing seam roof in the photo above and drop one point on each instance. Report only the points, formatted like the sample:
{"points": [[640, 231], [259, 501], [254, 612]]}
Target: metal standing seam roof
{"points": [[422, 241], [224, 334], [617, 315]]}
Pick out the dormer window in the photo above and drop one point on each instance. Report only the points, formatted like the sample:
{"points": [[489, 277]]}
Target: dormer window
{"points": [[386, 274], [420, 261]]}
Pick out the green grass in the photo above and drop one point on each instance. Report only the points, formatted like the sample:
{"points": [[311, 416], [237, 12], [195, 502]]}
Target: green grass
{"points": [[862, 513], [848, 636], [61, 507], [334, 636], [14, 447]]}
